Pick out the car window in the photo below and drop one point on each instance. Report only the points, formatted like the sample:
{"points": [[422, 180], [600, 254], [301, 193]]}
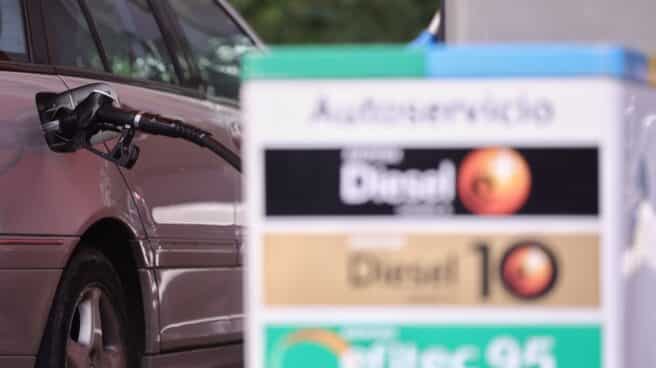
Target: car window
{"points": [[132, 39], [216, 42], [71, 40], [12, 31]]}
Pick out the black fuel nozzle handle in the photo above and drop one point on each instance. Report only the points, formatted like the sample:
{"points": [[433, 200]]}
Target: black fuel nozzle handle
{"points": [[75, 127]]}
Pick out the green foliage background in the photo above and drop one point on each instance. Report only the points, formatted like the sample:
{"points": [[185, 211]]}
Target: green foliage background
{"points": [[337, 21]]}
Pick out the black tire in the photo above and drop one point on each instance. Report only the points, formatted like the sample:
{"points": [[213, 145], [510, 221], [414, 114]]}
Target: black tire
{"points": [[88, 281]]}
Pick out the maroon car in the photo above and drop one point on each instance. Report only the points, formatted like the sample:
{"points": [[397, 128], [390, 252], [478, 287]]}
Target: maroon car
{"points": [[102, 266]]}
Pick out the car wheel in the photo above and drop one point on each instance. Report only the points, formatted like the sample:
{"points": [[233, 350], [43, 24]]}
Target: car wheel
{"points": [[87, 326]]}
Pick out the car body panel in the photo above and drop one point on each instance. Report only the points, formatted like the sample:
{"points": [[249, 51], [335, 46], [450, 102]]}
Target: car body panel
{"points": [[52, 197], [172, 186], [44, 184], [23, 316], [186, 198], [183, 325]]}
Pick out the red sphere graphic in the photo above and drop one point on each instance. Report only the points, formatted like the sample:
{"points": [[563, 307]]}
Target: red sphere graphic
{"points": [[529, 270], [494, 181]]}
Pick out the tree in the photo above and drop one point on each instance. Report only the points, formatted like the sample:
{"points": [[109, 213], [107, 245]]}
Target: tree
{"points": [[337, 21]]}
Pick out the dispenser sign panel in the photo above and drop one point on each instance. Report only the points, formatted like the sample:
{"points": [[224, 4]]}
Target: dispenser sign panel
{"points": [[433, 346], [456, 222], [428, 182], [385, 268]]}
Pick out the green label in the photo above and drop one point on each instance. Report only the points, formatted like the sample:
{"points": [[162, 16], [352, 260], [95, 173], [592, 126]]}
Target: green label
{"points": [[433, 347], [336, 62]]}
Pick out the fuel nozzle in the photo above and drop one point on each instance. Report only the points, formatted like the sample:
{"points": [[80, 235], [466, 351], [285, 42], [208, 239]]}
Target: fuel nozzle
{"points": [[73, 119], [67, 117]]}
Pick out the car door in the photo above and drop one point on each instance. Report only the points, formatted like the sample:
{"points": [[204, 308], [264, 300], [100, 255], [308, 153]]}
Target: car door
{"points": [[184, 194], [215, 38]]}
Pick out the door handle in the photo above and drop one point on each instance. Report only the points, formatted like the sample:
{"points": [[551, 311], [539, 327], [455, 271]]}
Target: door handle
{"points": [[235, 132]]}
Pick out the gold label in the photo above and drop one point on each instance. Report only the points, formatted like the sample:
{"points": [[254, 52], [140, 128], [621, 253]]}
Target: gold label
{"points": [[432, 269]]}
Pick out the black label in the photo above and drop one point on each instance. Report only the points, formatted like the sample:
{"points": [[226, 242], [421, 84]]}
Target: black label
{"points": [[432, 182]]}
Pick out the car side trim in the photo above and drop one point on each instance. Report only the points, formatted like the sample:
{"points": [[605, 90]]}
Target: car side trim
{"points": [[149, 294], [241, 23], [18, 252], [227, 356], [17, 361], [188, 73], [96, 37], [191, 254]]}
